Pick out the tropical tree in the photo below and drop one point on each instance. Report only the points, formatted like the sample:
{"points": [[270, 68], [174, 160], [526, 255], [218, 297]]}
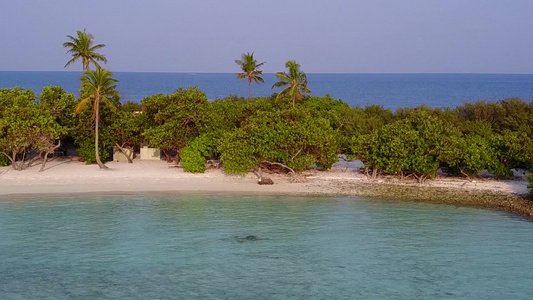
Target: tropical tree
{"points": [[60, 104], [295, 80], [418, 145], [127, 129], [97, 86], [250, 70], [81, 47], [173, 120], [276, 136], [26, 127]]}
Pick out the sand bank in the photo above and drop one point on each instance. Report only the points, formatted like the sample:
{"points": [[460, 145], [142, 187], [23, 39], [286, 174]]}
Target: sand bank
{"points": [[66, 176], [71, 176]]}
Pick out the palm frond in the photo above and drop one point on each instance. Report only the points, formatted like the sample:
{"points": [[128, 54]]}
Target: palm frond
{"points": [[258, 79], [99, 57], [283, 93], [70, 45], [283, 76], [83, 104], [96, 47], [72, 60], [99, 81], [109, 103], [280, 84]]}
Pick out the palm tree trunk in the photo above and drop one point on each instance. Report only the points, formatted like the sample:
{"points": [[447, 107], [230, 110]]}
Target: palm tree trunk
{"points": [[85, 64], [97, 119], [249, 88]]}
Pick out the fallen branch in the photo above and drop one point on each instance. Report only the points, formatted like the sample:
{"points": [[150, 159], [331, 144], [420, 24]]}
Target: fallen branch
{"points": [[279, 164]]}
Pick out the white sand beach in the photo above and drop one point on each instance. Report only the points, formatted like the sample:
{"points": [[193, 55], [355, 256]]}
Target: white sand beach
{"points": [[66, 175]]}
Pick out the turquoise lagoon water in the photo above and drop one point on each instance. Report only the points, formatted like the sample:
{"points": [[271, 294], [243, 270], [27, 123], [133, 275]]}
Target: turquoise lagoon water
{"points": [[257, 247]]}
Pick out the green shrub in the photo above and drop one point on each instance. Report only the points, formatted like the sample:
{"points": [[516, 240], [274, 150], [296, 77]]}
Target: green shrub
{"points": [[237, 153], [86, 151], [4, 161], [173, 120], [194, 155], [192, 160], [291, 137]]}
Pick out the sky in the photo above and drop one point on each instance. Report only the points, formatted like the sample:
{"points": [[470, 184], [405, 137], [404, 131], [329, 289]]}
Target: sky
{"points": [[323, 36]]}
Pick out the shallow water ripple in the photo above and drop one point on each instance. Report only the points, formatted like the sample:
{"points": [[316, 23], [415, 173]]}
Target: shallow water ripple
{"points": [[224, 247]]}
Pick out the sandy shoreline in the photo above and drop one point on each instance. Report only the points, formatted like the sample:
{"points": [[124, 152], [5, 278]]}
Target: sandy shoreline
{"points": [[70, 176], [67, 176]]}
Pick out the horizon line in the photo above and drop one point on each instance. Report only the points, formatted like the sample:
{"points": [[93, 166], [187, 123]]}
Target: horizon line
{"points": [[340, 73]]}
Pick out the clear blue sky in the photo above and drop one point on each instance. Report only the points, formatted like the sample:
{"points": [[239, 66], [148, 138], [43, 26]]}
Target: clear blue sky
{"points": [[348, 36]]}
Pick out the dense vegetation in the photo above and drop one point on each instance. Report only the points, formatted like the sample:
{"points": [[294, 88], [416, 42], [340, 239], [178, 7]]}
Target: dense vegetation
{"points": [[288, 131], [27, 124], [269, 132]]}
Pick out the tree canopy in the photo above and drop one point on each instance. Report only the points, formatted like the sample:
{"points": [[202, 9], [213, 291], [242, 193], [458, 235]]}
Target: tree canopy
{"points": [[268, 134], [492, 136], [173, 120], [26, 126]]}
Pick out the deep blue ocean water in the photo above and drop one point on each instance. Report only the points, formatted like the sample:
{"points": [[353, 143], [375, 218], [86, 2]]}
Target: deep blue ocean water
{"points": [[389, 90], [196, 247]]}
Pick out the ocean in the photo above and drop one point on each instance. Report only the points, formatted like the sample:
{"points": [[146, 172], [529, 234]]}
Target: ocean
{"points": [[388, 90], [259, 247]]}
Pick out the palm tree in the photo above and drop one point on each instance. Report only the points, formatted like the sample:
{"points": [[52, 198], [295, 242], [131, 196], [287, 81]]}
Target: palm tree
{"points": [[295, 80], [99, 87], [81, 47], [249, 67]]}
